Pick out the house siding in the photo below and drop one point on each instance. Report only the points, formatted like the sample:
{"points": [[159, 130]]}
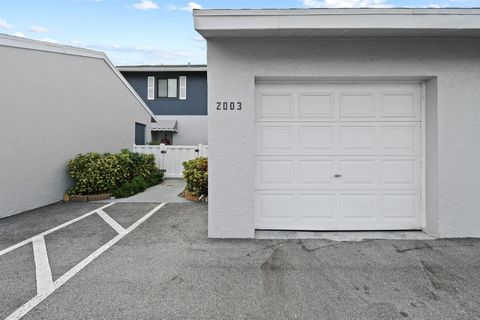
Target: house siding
{"points": [[195, 104]]}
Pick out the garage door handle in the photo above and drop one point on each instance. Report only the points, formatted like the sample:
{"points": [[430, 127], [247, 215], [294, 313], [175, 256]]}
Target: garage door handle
{"points": [[338, 175]]}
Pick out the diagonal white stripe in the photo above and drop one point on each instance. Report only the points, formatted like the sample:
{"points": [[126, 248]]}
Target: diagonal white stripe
{"points": [[114, 224], [24, 242], [32, 303], [42, 266]]}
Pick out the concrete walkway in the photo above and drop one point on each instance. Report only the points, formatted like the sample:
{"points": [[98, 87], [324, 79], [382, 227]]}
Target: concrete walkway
{"points": [[167, 191]]}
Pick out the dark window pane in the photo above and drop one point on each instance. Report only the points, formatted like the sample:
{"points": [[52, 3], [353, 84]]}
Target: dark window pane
{"points": [[162, 88]]}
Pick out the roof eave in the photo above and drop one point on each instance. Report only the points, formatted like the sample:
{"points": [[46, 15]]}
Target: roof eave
{"points": [[338, 23]]}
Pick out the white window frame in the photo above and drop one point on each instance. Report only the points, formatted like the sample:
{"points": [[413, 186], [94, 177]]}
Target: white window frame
{"points": [[182, 92], [150, 88]]}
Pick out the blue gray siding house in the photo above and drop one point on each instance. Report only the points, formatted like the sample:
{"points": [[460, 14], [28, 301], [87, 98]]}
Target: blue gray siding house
{"points": [[177, 95]]}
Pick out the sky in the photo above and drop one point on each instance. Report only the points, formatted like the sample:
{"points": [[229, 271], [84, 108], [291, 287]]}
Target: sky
{"points": [[134, 32]]}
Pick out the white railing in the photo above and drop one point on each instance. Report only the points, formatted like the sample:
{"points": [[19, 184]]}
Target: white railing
{"points": [[170, 158]]}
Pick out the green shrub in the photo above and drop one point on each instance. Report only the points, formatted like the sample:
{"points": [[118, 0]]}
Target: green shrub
{"points": [[155, 178], [196, 175], [96, 173], [136, 185]]}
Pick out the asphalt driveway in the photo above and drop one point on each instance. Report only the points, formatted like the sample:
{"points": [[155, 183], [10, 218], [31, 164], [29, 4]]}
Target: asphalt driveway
{"points": [[166, 268]]}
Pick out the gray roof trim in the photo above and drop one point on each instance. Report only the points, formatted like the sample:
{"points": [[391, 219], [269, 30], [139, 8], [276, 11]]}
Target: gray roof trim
{"points": [[381, 22], [164, 125], [30, 44], [164, 68], [334, 11]]}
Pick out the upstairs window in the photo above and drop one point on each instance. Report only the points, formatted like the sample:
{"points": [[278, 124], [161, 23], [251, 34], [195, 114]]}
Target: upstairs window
{"points": [[167, 88]]}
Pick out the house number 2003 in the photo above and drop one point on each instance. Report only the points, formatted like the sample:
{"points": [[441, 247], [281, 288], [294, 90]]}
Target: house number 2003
{"points": [[229, 105]]}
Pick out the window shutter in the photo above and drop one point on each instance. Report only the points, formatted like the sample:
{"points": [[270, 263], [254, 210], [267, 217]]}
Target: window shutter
{"points": [[183, 88], [151, 88]]}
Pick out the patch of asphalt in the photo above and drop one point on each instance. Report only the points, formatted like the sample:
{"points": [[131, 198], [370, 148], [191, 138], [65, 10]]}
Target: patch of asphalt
{"points": [[17, 279], [168, 269], [127, 214], [70, 245], [25, 225]]}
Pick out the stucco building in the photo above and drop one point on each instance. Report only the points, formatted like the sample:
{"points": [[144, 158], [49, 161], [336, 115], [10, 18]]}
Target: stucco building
{"points": [[343, 119], [57, 101]]}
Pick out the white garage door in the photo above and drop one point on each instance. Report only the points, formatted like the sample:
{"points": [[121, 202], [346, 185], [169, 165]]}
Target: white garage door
{"points": [[338, 156]]}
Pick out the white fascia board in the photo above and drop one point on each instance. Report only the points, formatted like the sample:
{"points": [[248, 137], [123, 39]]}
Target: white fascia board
{"points": [[24, 43], [334, 11], [337, 22]]}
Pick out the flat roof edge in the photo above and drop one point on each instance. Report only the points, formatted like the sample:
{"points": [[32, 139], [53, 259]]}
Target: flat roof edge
{"points": [[166, 68], [336, 11], [26, 43], [339, 22]]}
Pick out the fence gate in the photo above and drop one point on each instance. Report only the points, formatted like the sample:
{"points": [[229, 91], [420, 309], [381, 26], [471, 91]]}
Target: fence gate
{"points": [[170, 158]]}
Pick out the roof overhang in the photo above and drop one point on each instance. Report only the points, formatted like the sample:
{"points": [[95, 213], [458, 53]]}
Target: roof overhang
{"points": [[165, 125], [362, 23], [164, 68]]}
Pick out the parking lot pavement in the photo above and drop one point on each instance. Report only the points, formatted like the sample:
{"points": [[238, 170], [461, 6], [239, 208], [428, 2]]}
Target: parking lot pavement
{"points": [[30, 223], [50, 248], [168, 269]]}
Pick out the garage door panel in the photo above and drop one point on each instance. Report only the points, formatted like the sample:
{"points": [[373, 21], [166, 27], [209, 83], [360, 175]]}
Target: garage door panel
{"points": [[276, 206], [317, 206], [275, 105], [357, 104], [316, 105], [357, 207], [275, 173], [400, 139], [316, 172], [275, 139], [399, 206], [399, 105], [355, 139], [367, 134], [380, 138], [314, 210], [357, 173], [315, 139], [400, 173]]}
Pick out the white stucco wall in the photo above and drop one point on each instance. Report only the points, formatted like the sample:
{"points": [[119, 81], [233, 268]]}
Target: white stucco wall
{"points": [[453, 117], [191, 130], [52, 107]]}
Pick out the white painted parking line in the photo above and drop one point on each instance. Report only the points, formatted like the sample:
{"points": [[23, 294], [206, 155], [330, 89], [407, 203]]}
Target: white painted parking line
{"points": [[24, 242], [32, 303], [112, 223], [42, 266]]}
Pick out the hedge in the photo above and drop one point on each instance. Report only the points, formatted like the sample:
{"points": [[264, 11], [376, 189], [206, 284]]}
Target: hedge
{"points": [[95, 173], [196, 176]]}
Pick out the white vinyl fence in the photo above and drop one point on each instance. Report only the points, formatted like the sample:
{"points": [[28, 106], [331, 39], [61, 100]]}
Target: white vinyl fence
{"points": [[170, 158]]}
